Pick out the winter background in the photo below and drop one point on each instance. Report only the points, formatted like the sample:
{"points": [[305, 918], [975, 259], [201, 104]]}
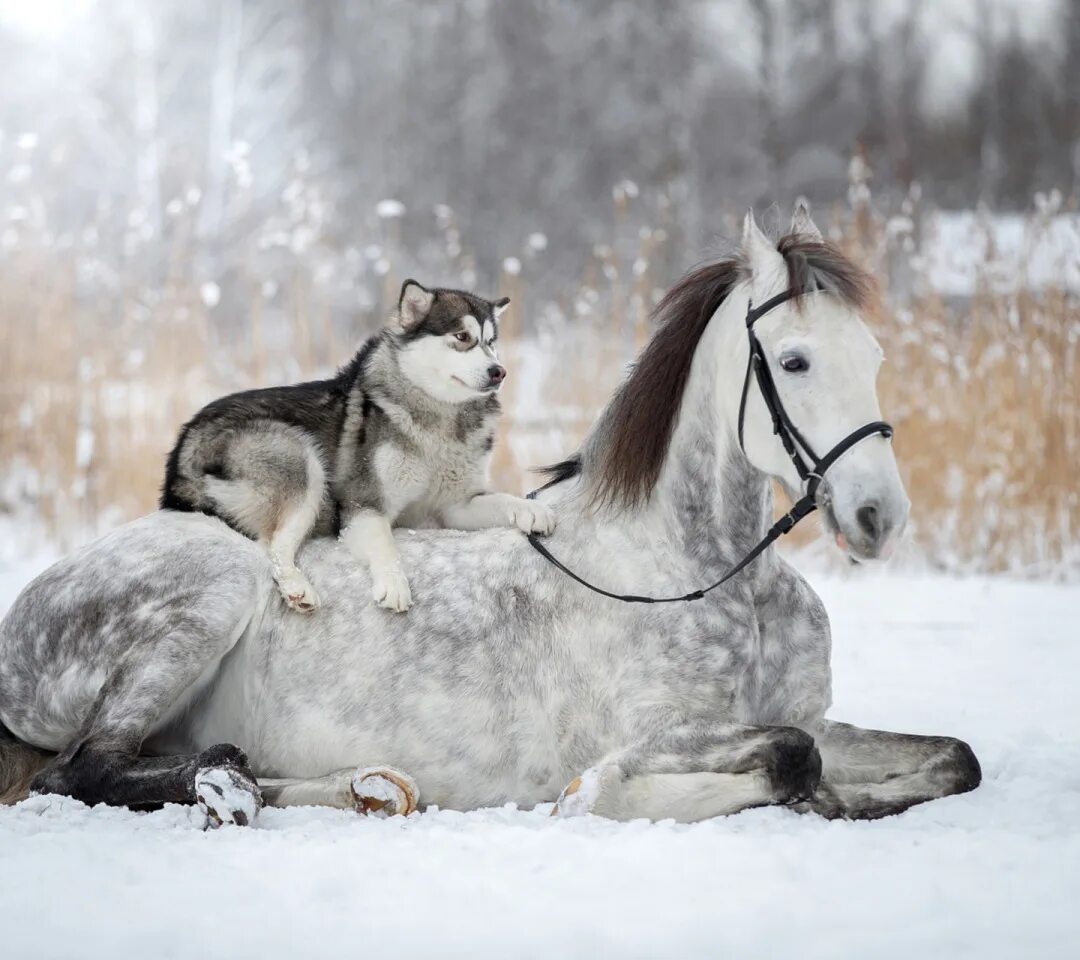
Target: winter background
{"points": [[202, 196]]}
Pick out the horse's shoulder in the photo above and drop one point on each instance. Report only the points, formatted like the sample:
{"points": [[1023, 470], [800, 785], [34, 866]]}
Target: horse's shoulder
{"points": [[787, 595]]}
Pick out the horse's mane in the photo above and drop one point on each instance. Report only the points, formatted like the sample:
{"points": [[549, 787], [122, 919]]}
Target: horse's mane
{"points": [[625, 451]]}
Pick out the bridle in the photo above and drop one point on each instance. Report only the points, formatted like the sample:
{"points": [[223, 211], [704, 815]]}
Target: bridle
{"points": [[810, 467], [795, 444]]}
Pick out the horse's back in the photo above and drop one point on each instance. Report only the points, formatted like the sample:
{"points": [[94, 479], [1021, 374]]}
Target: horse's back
{"points": [[84, 619]]}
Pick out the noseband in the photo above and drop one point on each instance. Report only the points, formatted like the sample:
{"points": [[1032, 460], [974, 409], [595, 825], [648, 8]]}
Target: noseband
{"points": [[810, 467]]}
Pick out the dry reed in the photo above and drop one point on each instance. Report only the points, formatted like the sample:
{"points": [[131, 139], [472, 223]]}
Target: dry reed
{"points": [[985, 393]]}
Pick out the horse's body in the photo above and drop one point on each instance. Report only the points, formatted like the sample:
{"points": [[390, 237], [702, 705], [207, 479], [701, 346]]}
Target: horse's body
{"points": [[504, 682]]}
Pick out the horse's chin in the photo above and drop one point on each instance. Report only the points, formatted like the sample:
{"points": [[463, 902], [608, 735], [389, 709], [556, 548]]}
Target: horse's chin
{"points": [[852, 548]]}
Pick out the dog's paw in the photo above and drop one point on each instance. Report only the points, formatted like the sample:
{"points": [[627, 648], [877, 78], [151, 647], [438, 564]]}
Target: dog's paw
{"points": [[382, 792], [532, 517], [226, 791], [297, 593], [390, 588]]}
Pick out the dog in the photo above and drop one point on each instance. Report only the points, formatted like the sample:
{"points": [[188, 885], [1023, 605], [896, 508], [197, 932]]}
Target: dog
{"points": [[401, 436]]}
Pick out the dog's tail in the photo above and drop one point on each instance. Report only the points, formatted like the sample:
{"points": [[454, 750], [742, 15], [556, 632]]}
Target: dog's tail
{"points": [[19, 762]]}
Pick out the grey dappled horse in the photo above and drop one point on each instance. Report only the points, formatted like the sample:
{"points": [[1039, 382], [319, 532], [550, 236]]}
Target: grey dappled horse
{"points": [[139, 660]]}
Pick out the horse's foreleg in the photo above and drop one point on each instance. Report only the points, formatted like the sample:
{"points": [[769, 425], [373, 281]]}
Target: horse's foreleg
{"points": [[685, 797], [381, 791], [873, 773], [695, 771]]}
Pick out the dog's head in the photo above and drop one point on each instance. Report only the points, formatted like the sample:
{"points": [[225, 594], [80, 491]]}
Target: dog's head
{"points": [[446, 342]]}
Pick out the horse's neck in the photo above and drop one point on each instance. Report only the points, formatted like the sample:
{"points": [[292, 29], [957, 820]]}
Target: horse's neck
{"points": [[709, 503], [708, 494]]}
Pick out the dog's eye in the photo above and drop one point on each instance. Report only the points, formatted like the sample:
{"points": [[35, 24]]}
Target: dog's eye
{"points": [[794, 363], [462, 337]]}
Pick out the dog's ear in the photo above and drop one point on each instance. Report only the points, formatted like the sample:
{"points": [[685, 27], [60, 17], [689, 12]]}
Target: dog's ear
{"points": [[500, 306], [413, 305]]}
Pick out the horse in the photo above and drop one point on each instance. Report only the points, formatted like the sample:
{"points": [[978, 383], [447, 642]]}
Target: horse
{"points": [[130, 670]]}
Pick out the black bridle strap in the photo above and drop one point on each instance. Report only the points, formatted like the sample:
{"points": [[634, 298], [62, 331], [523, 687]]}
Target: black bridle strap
{"points": [[803, 508], [791, 439]]}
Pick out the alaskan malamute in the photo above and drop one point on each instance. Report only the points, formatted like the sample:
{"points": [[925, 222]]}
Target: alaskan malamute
{"points": [[401, 436]]}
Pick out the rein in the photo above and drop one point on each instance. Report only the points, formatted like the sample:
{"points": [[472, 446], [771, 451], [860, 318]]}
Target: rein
{"points": [[810, 467]]}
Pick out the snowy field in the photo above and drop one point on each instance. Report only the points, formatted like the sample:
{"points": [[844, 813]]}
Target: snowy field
{"points": [[990, 874]]}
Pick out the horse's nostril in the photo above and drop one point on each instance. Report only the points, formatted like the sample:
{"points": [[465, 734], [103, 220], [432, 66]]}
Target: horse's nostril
{"points": [[869, 521]]}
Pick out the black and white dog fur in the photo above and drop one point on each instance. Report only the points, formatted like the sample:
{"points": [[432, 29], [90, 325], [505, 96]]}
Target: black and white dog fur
{"points": [[402, 436]]}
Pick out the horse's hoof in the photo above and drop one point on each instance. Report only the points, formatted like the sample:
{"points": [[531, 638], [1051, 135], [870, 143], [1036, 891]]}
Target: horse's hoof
{"points": [[382, 792], [824, 803], [793, 766], [227, 792], [580, 795]]}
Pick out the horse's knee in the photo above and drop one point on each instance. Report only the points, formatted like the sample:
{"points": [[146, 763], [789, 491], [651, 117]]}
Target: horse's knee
{"points": [[793, 765]]}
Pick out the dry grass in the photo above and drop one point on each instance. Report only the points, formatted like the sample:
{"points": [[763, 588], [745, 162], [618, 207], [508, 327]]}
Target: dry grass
{"points": [[987, 409], [985, 394]]}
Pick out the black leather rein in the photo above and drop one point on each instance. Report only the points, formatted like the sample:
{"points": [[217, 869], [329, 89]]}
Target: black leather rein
{"points": [[811, 468]]}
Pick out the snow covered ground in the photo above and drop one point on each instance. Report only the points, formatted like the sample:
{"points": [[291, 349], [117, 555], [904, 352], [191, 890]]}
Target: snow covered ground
{"points": [[991, 874]]}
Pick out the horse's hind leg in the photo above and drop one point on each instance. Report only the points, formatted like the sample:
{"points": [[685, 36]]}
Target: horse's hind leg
{"points": [[97, 771], [381, 791], [157, 674]]}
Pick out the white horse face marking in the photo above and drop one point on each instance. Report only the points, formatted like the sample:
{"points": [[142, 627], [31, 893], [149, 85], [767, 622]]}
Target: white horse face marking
{"points": [[825, 362], [458, 365]]}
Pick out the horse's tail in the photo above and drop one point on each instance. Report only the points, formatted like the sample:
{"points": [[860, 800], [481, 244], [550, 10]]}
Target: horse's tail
{"points": [[18, 763]]}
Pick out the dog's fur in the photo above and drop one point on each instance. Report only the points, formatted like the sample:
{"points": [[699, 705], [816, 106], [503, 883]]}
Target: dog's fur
{"points": [[402, 435]]}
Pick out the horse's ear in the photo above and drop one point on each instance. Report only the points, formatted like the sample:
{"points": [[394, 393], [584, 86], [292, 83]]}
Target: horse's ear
{"points": [[413, 305], [768, 271], [802, 223]]}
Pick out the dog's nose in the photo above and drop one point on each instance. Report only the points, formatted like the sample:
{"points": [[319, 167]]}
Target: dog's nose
{"points": [[496, 373]]}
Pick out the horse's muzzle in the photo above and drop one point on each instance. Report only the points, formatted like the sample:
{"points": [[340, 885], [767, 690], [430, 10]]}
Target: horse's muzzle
{"points": [[872, 530]]}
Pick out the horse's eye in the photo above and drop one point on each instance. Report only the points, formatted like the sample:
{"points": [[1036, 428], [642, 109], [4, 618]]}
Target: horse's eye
{"points": [[794, 363], [462, 337]]}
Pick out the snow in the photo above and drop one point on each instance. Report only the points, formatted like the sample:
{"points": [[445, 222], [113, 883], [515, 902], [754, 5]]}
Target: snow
{"points": [[990, 874], [389, 209], [210, 293], [966, 251]]}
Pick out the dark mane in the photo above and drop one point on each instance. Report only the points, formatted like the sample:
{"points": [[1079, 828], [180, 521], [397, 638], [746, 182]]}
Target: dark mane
{"points": [[626, 450]]}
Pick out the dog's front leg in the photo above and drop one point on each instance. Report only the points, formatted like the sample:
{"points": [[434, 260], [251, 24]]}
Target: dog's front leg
{"points": [[499, 510], [370, 539]]}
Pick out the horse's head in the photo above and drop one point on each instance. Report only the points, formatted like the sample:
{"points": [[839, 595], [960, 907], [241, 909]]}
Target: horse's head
{"points": [[822, 362]]}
